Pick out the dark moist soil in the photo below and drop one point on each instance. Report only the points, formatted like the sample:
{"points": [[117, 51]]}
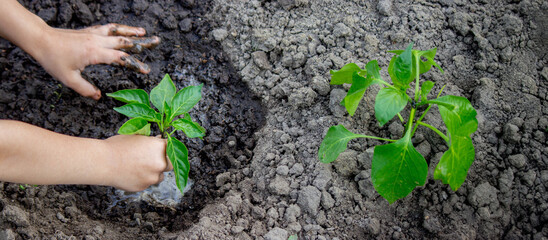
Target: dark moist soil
{"points": [[227, 110]]}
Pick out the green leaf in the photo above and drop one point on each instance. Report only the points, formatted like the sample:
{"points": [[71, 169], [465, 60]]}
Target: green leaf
{"points": [[135, 126], [190, 128], [426, 65], [163, 93], [334, 143], [388, 103], [401, 67], [455, 162], [458, 115], [345, 74], [425, 89], [178, 155], [359, 85], [373, 73], [139, 110], [131, 96], [185, 99], [355, 93], [397, 168]]}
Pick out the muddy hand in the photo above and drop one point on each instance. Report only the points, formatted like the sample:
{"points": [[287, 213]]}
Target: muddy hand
{"points": [[68, 52]]}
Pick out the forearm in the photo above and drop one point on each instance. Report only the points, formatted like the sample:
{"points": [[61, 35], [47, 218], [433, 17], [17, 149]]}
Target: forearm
{"points": [[22, 27], [33, 155]]}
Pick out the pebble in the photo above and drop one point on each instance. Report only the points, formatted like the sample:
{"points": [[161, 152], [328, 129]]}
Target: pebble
{"points": [[15, 215], [309, 200], [347, 163], [185, 25], [510, 133], [276, 234], [261, 59], [335, 98], [279, 186], [219, 34], [341, 30], [483, 195], [518, 160], [384, 7], [292, 213]]}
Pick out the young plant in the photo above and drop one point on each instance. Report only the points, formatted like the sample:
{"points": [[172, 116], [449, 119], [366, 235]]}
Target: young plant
{"points": [[397, 168], [170, 105]]}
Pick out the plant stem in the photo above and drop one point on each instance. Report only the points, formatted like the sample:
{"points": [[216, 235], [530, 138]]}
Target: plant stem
{"points": [[426, 111], [378, 138], [435, 130], [420, 119], [417, 73], [401, 118]]}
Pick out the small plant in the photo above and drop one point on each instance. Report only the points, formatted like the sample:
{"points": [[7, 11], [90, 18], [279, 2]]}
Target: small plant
{"points": [[170, 105], [397, 168]]}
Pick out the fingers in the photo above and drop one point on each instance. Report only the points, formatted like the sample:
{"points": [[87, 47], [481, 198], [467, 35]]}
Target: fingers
{"points": [[75, 81], [130, 44], [120, 58], [160, 178], [113, 29], [169, 166]]}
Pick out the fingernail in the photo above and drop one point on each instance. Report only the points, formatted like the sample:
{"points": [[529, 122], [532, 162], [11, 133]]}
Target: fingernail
{"points": [[141, 31]]}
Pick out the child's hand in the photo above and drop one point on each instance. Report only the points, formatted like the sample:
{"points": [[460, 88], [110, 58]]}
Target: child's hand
{"points": [[137, 161], [65, 53]]}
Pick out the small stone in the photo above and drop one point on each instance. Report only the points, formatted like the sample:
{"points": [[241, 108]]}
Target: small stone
{"points": [[279, 186], [61, 217], [297, 169], [282, 170], [219, 34], [302, 97], [512, 24], [292, 213], [529, 177], [185, 25], [276, 234], [373, 226], [287, 60], [322, 179], [384, 7], [298, 60], [461, 22], [347, 163], [15, 215], [261, 59], [258, 212], [327, 201], [309, 200], [483, 195], [510, 133], [83, 13], [335, 98], [341, 30], [321, 85], [7, 234], [222, 178], [518, 160], [431, 222], [169, 22], [48, 15], [365, 158], [396, 129]]}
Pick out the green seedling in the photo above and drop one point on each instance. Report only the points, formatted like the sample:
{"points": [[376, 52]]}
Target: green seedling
{"points": [[397, 168], [171, 114]]}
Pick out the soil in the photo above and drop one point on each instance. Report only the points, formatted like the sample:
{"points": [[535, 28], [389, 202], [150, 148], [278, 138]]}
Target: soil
{"points": [[270, 184]]}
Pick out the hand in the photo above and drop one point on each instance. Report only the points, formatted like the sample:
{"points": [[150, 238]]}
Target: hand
{"points": [[138, 161], [65, 53]]}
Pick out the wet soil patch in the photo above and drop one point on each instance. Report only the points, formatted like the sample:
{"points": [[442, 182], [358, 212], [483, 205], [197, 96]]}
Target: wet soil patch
{"points": [[227, 110]]}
